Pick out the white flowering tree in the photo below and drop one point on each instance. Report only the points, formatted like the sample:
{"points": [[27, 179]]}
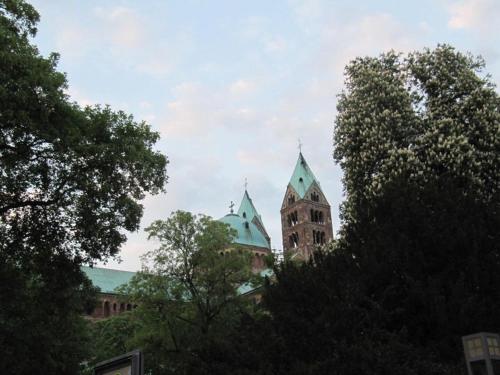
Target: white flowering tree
{"points": [[418, 117], [418, 138]]}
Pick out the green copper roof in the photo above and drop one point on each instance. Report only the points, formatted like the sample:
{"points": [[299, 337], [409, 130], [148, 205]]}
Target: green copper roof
{"points": [[248, 233], [248, 211], [249, 287], [106, 279], [247, 208], [302, 177]]}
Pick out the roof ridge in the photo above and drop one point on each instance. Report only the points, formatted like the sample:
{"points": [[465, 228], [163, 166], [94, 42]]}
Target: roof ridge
{"points": [[109, 269]]}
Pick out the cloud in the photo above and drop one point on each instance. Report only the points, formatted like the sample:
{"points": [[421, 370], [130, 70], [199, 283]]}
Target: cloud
{"points": [[191, 112], [276, 44], [309, 14], [78, 97], [370, 35], [242, 86], [481, 15], [123, 35], [258, 30], [74, 41], [124, 27], [201, 110]]}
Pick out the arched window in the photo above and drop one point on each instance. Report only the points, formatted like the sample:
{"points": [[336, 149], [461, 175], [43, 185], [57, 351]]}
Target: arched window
{"points": [[122, 307], [314, 236], [291, 199], [114, 307], [294, 240], [322, 237], [321, 220], [129, 307]]}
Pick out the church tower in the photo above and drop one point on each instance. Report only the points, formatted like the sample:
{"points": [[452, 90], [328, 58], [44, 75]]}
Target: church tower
{"points": [[251, 234], [306, 219]]}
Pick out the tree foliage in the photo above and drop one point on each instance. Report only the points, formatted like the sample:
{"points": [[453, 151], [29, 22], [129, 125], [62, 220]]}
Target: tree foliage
{"points": [[187, 296], [71, 180], [417, 262], [431, 115], [418, 139]]}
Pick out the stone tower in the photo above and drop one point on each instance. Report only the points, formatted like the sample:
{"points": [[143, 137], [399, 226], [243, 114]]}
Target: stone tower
{"points": [[306, 219]]}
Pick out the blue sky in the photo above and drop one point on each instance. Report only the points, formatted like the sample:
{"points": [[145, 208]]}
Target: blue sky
{"points": [[232, 85]]}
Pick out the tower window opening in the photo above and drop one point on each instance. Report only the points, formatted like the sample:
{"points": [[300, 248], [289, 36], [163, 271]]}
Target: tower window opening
{"points": [[291, 199], [317, 216], [314, 196], [245, 215], [247, 225], [301, 179], [294, 240]]}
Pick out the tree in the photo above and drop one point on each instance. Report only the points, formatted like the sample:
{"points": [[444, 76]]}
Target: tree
{"points": [[428, 116], [417, 138], [417, 262], [187, 295], [70, 184]]}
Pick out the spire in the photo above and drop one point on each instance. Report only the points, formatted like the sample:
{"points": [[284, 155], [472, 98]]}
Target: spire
{"points": [[302, 177], [248, 211]]}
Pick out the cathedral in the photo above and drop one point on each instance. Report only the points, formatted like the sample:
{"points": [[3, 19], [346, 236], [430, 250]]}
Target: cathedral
{"points": [[306, 223]]}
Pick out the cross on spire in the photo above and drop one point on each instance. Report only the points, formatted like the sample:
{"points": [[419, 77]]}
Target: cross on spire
{"points": [[231, 207], [300, 146], [246, 184]]}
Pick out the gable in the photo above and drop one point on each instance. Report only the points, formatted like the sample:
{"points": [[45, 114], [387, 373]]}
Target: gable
{"points": [[315, 189], [289, 192]]}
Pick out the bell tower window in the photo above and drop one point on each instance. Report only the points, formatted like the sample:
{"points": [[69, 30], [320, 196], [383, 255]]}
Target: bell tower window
{"points": [[293, 219], [317, 216], [294, 240]]}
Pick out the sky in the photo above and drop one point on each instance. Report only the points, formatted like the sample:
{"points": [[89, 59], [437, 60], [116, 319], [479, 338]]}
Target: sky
{"points": [[232, 85]]}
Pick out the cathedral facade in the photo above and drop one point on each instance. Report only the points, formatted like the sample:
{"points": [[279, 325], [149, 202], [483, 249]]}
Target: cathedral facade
{"points": [[306, 223], [306, 219]]}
